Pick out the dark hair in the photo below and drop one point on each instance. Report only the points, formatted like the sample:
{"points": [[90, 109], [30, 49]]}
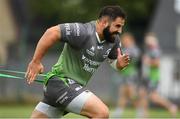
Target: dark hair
{"points": [[113, 12]]}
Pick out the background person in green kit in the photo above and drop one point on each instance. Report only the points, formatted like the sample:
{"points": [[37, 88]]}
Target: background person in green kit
{"points": [[151, 72], [128, 77]]}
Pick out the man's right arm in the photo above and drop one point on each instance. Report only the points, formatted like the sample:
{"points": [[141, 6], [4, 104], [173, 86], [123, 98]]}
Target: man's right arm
{"points": [[49, 38]]}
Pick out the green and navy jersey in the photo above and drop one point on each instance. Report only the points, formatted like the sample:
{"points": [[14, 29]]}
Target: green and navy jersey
{"points": [[83, 52], [154, 72]]}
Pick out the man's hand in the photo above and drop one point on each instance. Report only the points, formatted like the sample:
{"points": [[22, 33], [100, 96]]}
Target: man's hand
{"points": [[34, 68], [122, 60]]}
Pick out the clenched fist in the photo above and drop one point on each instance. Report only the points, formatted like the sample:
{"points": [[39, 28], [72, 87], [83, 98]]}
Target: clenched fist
{"points": [[122, 59]]}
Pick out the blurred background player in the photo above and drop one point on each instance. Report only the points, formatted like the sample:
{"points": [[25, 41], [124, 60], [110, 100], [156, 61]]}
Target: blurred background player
{"points": [[151, 73], [129, 75], [7, 31]]}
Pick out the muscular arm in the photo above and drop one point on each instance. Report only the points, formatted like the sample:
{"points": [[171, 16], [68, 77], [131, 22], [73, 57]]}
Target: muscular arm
{"points": [[49, 38]]}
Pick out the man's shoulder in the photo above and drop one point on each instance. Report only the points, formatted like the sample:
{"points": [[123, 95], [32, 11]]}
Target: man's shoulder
{"points": [[86, 24], [89, 27]]}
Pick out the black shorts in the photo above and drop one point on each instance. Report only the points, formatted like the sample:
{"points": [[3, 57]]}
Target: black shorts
{"points": [[59, 93]]}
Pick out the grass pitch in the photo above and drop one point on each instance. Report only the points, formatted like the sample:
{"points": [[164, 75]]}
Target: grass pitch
{"points": [[24, 111]]}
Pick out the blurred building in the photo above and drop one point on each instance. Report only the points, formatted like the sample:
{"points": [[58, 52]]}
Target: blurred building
{"points": [[7, 36], [166, 25], [7, 30], [13, 33]]}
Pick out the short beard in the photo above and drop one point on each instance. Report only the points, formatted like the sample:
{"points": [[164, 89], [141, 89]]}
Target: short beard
{"points": [[109, 37]]}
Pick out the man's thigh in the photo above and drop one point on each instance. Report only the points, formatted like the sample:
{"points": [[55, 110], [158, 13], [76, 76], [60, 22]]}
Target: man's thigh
{"points": [[94, 107]]}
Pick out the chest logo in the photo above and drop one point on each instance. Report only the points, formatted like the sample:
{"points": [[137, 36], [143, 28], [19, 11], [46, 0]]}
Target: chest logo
{"points": [[107, 53], [91, 51]]}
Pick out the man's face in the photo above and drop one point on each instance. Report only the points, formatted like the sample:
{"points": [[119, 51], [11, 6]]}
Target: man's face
{"points": [[114, 28]]}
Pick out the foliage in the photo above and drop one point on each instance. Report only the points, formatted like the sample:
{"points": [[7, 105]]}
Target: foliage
{"points": [[45, 13], [85, 10]]}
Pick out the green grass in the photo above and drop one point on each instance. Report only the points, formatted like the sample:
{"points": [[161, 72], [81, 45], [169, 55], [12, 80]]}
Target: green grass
{"points": [[24, 111], [15, 111]]}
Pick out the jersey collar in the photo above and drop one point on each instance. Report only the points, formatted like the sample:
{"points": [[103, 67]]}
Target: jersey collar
{"points": [[97, 36]]}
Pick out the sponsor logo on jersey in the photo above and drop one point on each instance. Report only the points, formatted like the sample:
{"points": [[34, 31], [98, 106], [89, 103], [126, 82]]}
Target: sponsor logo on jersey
{"points": [[77, 29], [91, 51], [68, 30], [91, 62], [89, 65], [88, 68]]}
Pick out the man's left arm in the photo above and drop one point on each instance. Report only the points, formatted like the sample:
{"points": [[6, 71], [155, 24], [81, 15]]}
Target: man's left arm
{"points": [[117, 59], [121, 62]]}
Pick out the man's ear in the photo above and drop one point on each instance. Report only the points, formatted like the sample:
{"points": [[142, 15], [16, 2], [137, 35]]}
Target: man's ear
{"points": [[105, 21]]}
